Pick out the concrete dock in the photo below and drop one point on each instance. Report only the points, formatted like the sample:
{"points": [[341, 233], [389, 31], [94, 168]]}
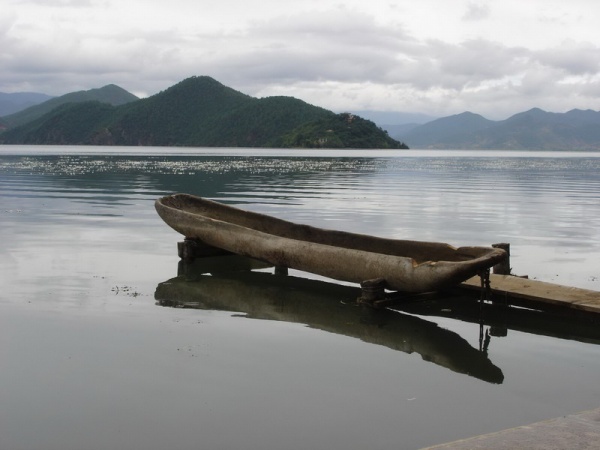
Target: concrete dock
{"points": [[576, 431], [533, 293]]}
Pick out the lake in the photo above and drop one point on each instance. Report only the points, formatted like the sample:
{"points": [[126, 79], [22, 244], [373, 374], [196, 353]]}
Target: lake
{"points": [[107, 341]]}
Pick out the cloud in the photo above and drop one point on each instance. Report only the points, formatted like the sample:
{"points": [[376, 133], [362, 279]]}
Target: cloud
{"points": [[342, 46], [477, 11], [347, 57], [572, 58], [59, 3]]}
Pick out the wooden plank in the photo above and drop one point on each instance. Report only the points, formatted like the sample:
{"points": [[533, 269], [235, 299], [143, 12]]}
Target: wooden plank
{"points": [[541, 292]]}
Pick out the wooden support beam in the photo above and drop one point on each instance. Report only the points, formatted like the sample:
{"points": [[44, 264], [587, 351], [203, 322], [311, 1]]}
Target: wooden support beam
{"points": [[372, 291], [281, 270], [503, 267], [190, 249]]}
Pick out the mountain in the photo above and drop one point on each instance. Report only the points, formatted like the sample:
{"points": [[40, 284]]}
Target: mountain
{"points": [[385, 118], [530, 130], [200, 111], [338, 131], [111, 94], [399, 130], [394, 122], [447, 129], [18, 101]]}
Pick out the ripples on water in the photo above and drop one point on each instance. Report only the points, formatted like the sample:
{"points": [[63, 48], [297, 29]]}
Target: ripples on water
{"points": [[548, 208], [439, 198], [83, 252]]}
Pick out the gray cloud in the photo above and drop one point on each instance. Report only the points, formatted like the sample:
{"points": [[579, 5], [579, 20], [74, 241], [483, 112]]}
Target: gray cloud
{"points": [[477, 11], [573, 59], [341, 59], [61, 3]]}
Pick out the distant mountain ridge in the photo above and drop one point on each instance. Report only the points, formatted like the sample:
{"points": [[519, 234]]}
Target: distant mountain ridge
{"points": [[200, 111], [385, 118], [11, 103], [111, 94], [530, 130]]}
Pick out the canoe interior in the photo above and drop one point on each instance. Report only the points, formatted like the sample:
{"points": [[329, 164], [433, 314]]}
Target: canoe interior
{"points": [[419, 251]]}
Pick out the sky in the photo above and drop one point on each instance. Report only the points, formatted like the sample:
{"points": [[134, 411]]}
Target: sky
{"points": [[434, 57]]}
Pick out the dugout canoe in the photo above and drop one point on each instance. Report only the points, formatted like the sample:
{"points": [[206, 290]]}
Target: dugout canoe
{"points": [[405, 265]]}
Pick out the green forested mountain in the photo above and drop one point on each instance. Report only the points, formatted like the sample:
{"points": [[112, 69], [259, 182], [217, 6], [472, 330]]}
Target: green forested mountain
{"points": [[338, 131], [67, 124], [200, 111], [111, 94]]}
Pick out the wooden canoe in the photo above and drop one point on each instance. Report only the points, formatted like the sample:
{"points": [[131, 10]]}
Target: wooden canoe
{"points": [[405, 265]]}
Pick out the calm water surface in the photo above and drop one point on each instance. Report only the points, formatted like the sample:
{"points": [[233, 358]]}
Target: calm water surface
{"points": [[97, 351]]}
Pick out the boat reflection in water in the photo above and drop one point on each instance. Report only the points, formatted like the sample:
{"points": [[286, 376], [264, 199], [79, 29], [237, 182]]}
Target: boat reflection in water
{"points": [[321, 305], [499, 318]]}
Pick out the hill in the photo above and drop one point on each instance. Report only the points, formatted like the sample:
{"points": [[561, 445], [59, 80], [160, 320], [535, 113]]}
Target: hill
{"points": [[447, 129], [530, 130], [18, 101], [339, 131], [111, 94], [198, 111]]}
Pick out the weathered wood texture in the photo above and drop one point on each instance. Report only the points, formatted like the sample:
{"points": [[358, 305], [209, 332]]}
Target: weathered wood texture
{"points": [[405, 265], [530, 292]]}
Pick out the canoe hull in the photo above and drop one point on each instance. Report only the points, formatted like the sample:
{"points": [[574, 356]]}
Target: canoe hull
{"points": [[412, 266]]}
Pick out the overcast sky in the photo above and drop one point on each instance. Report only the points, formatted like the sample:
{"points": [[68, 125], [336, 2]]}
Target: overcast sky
{"points": [[437, 57]]}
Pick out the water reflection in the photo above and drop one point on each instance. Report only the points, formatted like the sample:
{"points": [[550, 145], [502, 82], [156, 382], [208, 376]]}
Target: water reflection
{"points": [[498, 319], [325, 306], [546, 206], [80, 363]]}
